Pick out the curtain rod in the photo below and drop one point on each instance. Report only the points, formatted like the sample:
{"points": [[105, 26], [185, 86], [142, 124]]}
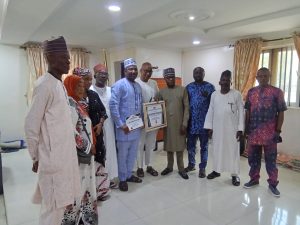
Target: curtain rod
{"points": [[277, 39], [26, 45]]}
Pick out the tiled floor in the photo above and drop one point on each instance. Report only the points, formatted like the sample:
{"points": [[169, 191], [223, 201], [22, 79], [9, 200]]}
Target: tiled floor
{"points": [[167, 200], [2, 211]]}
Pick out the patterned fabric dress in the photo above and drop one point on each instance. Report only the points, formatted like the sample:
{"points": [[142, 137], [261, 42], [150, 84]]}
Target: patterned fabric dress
{"points": [[96, 110], [84, 210]]}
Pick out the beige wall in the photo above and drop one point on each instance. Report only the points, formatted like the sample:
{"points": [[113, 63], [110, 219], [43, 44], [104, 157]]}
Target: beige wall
{"points": [[118, 55]]}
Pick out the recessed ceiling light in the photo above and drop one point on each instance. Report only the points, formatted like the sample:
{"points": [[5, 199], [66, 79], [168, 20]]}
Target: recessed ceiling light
{"points": [[114, 8], [191, 18], [196, 42]]}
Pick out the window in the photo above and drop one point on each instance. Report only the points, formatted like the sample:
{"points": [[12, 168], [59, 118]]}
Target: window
{"points": [[284, 66]]}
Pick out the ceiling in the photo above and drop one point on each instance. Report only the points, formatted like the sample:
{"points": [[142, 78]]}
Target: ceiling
{"points": [[156, 23]]}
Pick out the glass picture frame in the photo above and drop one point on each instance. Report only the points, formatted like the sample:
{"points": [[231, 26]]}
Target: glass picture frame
{"points": [[154, 115]]}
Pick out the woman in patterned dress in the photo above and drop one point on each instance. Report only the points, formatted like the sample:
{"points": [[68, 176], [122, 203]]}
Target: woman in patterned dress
{"points": [[96, 110], [84, 210]]}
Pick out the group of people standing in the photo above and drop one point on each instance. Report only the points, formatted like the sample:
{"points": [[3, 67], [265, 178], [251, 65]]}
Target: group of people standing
{"points": [[223, 117], [80, 143]]}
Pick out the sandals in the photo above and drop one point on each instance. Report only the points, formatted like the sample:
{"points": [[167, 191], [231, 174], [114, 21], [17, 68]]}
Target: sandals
{"points": [[134, 179], [236, 181], [166, 171], [140, 172], [152, 171], [213, 175]]}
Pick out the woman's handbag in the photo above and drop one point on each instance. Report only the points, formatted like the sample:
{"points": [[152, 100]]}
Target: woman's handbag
{"points": [[84, 158]]}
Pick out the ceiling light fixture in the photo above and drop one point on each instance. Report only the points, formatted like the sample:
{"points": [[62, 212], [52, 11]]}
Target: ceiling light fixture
{"points": [[191, 18], [114, 8], [196, 42]]}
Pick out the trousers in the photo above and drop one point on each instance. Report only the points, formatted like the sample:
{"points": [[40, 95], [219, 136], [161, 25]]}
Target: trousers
{"points": [[127, 151], [191, 147], [146, 147], [254, 160], [179, 157]]}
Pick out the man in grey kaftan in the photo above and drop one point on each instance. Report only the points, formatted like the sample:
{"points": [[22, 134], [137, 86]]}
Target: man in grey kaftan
{"points": [[177, 111]]}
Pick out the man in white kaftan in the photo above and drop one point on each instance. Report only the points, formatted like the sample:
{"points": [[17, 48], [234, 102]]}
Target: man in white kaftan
{"points": [[148, 139], [50, 138], [104, 92], [225, 122]]}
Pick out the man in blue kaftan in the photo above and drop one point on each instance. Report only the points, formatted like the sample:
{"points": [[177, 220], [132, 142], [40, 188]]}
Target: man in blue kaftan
{"points": [[126, 100], [199, 93]]}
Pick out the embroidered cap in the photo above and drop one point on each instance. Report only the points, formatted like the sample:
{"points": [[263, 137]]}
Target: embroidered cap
{"points": [[100, 68], [169, 72], [55, 45], [129, 62], [81, 71]]}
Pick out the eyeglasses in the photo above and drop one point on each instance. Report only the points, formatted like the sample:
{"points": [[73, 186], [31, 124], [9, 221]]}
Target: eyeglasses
{"points": [[169, 77], [101, 74]]}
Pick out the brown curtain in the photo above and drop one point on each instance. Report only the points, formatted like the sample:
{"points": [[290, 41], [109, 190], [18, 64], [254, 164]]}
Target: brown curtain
{"points": [[79, 57], [296, 38], [246, 60], [37, 66]]}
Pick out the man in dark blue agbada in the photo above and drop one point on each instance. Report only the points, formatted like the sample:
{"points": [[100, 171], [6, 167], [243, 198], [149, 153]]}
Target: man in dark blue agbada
{"points": [[199, 93]]}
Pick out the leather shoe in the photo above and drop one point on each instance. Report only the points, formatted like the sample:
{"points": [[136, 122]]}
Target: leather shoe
{"points": [[123, 186], [134, 179], [166, 171], [189, 169], [236, 181], [183, 174], [213, 175], [202, 173]]}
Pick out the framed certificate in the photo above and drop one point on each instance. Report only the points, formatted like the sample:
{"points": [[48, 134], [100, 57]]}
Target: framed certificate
{"points": [[154, 115]]}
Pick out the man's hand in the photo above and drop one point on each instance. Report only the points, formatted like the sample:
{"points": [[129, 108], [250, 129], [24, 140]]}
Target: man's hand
{"points": [[98, 129], [125, 129], [239, 135], [210, 133], [183, 130], [155, 99], [35, 166]]}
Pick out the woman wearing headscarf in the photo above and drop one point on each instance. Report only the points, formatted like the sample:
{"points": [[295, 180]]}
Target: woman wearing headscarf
{"points": [[96, 110], [84, 209]]}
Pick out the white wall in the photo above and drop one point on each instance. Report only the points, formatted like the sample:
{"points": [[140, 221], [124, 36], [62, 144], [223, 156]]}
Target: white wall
{"points": [[161, 58], [290, 132], [13, 87], [95, 57], [115, 55], [214, 61]]}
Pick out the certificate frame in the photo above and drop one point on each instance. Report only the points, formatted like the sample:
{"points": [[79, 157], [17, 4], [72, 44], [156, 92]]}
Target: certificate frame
{"points": [[148, 115]]}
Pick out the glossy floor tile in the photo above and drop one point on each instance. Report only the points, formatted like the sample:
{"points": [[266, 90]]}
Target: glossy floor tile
{"points": [[165, 200], [2, 211]]}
